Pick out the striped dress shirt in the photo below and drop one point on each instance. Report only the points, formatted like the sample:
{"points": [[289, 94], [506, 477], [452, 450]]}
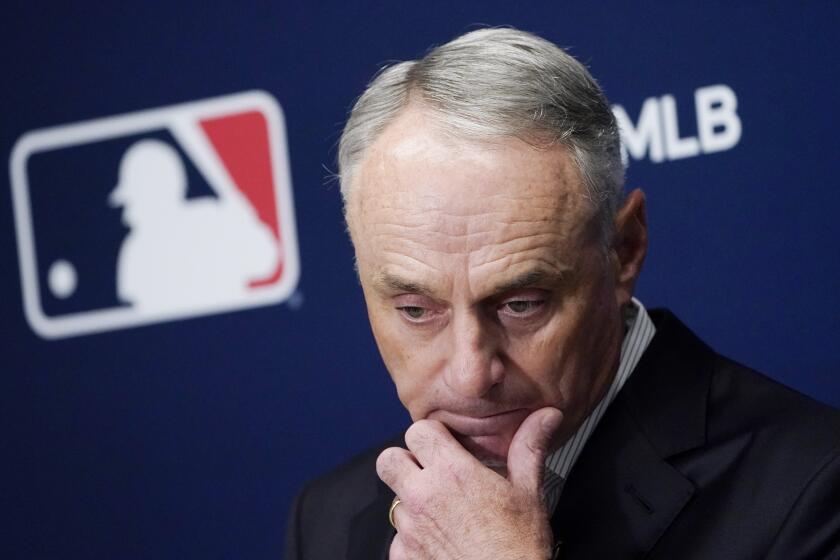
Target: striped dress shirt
{"points": [[639, 333]]}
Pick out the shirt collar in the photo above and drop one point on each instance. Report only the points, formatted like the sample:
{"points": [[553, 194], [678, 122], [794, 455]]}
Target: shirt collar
{"points": [[639, 333]]}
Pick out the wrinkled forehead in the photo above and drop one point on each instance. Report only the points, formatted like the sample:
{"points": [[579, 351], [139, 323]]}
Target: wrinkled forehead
{"points": [[417, 174]]}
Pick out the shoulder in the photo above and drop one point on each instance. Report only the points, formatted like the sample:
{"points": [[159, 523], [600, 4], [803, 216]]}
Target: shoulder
{"points": [[724, 422], [731, 399], [763, 458], [744, 400], [324, 511], [355, 480], [783, 448], [789, 435]]}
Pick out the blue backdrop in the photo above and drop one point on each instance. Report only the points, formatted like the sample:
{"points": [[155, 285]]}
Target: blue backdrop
{"points": [[189, 438]]}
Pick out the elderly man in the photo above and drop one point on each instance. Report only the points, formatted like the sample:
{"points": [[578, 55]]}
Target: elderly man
{"points": [[553, 415]]}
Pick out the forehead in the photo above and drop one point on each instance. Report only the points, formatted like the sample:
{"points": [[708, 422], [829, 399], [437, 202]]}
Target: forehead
{"points": [[444, 201]]}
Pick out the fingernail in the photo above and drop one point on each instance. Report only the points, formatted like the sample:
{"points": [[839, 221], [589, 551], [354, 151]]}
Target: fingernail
{"points": [[551, 420]]}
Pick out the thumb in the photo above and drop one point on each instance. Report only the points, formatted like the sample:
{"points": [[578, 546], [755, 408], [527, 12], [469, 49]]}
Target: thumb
{"points": [[529, 448]]}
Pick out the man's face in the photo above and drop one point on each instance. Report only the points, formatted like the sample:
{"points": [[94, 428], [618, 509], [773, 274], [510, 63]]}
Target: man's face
{"points": [[488, 289]]}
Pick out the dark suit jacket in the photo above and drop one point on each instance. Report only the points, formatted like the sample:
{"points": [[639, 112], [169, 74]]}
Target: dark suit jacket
{"points": [[698, 457]]}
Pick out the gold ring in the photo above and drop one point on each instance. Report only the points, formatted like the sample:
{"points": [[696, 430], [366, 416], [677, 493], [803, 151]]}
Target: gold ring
{"points": [[394, 505]]}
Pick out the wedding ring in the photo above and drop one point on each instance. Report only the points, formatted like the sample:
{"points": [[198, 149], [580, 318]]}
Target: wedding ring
{"points": [[394, 505]]}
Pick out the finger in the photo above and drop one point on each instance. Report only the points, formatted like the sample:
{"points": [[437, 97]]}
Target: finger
{"points": [[397, 550], [430, 441], [394, 465], [400, 516], [529, 448]]}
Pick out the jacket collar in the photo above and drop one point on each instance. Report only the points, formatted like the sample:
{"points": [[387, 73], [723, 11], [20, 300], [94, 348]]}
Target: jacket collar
{"points": [[622, 493], [668, 397]]}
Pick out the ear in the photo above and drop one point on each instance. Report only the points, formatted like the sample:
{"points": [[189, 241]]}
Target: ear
{"points": [[630, 243]]}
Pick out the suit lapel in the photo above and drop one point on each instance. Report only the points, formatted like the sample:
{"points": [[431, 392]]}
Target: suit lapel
{"points": [[622, 493], [370, 533], [620, 496]]}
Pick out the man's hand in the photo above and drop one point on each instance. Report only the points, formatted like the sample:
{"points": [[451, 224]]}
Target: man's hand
{"points": [[453, 507]]}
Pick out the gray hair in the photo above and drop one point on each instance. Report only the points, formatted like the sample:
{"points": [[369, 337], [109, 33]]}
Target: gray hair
{"points": [[499, 82]]}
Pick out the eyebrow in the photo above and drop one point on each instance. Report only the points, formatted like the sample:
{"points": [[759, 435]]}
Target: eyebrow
{"points": [[530, 279], [390, 283], [387, 282]]}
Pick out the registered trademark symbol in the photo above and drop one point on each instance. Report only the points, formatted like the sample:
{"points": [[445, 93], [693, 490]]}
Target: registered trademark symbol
{"points": [[295, 301]]}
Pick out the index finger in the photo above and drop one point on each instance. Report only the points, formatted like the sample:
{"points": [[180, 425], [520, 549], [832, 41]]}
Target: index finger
{"points": [[430, 441], [394, 465]]}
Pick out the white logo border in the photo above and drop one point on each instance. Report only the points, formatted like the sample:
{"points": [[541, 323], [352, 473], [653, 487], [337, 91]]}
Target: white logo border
{"points": [[95, 321]]}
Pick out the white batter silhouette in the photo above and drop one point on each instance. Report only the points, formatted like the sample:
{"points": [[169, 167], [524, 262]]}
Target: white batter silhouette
{"points": [[184, 253]]}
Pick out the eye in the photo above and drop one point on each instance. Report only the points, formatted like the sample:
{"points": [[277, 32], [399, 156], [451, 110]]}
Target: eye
{"points": [[413, 312], [521, 308], [416, 308]]}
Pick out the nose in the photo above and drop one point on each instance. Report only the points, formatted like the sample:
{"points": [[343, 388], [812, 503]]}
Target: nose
{"points": [[474, 366]]}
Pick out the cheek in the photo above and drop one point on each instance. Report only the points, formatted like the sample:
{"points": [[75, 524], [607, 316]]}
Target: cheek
{"points": [[560, 361], [413, 366], [542, 361]]}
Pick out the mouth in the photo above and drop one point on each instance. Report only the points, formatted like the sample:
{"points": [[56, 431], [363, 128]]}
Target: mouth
{"points": [[487, 437], [501, 423]]}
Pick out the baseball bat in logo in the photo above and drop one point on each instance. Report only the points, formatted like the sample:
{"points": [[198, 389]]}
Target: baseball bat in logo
{"points": [[155, 215]]}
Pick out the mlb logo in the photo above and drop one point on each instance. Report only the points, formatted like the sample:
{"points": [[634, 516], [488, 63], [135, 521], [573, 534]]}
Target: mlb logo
{"points": [[156, 215]]}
